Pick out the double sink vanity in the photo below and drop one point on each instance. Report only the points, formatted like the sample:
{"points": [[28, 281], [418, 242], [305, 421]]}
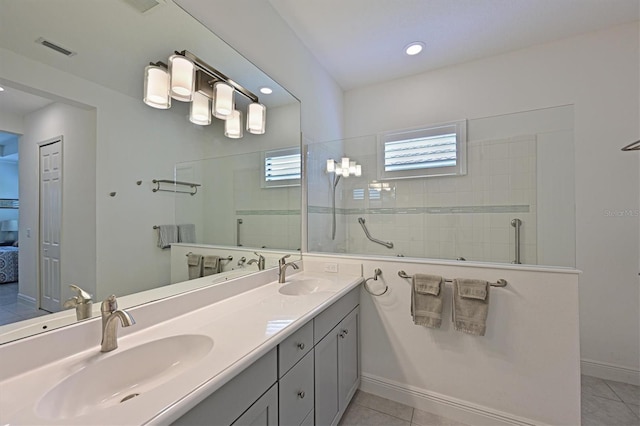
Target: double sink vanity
{"points": [[244, 351]]}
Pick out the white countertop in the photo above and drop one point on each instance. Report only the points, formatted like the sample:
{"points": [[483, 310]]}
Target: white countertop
{"points": [[243, 328]]}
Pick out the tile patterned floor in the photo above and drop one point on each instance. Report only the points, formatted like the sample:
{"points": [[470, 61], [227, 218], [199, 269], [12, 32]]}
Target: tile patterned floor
{"points": [[604, 403], [12, 309]]}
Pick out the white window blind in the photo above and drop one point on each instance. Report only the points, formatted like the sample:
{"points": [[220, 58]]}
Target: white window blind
{"points": [[281, 167], [437, 150]]}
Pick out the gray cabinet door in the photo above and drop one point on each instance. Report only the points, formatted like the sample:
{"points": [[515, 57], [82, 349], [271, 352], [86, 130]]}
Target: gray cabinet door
{"points": [[264, 412], [327, 407], [348, 358]]}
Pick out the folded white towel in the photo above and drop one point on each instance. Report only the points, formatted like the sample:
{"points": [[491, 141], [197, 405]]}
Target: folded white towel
{"points": [[187, 233], [470, 305], [167, 235], [426, 300]]}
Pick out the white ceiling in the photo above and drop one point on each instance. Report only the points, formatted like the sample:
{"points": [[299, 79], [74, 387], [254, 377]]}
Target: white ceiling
{"points": [[360, 42]]}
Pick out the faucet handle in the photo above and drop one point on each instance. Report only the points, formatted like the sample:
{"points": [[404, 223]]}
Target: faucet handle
{"points": [[82, 296], [109, 305], [282, 260]]}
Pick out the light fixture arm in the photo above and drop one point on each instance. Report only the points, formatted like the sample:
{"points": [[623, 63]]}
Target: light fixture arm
{"points": [[217, 75]]}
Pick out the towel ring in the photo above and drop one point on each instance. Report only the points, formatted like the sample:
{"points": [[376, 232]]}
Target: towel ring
{"points": [[376, 273]]}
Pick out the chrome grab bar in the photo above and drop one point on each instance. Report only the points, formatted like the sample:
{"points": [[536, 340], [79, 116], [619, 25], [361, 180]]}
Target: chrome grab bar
{"points": [[387, 244], [238, 223], [516, 223]]}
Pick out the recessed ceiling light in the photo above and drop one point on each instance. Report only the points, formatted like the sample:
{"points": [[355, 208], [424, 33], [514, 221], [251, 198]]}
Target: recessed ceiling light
{"points": [[266, 90], [414, 48], [1, 89]]}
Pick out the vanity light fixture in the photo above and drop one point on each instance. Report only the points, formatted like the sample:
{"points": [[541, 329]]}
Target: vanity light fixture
{"points": [[344, 168], [156, 86], [183, 78], [187, 78], [233, 125], [414, 48], [200, 112]]}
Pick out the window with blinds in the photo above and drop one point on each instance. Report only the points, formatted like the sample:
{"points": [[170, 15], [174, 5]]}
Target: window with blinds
{"points": [[438, 150], [282, 167]]}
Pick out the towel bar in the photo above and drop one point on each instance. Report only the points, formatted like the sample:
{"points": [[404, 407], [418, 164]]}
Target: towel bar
{"points": [[229, 258], [500, 283]]}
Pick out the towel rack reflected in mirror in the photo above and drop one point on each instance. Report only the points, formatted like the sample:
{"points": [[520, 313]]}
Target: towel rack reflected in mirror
{"points": [[229, 258], [193, 186], [499, 283]]}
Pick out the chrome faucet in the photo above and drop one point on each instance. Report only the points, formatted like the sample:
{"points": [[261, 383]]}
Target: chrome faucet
{"points": [[282, 268], [82, 302], [260, 261], [110, 313]]}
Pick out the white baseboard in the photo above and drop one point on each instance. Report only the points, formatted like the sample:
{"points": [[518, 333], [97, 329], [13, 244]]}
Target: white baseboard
{"points": [[27, 300], [612, 372], [442, 405]]}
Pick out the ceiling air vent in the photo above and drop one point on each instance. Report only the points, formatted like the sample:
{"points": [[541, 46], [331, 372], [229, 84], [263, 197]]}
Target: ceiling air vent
{"points": [[54, 46], [144, 6]]}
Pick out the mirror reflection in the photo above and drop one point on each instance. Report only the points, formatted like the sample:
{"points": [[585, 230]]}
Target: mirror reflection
{"points": [[502, 191], [75, 129]]}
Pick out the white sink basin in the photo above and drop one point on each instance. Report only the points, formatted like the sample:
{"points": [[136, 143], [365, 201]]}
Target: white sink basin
{"points": [[304, 286], [114, 378]]}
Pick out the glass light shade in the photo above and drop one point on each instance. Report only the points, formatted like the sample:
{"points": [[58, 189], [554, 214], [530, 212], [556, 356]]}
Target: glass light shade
{"points": [[352, 167], [223, 100], [345, 172], [200, 112], [331, 165], [358, 170], [183, 78], [256, 118], [345, 163], [156, 87], [233, 125], [338, 169]]}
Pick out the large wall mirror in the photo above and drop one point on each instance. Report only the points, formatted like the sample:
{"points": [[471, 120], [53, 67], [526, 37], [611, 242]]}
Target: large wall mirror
{"points": [[73, 72], [513, 202]]}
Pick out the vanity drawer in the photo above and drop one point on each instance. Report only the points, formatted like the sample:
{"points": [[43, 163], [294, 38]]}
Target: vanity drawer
{"points": [[327, 319], [294, 347], [297, 392]]}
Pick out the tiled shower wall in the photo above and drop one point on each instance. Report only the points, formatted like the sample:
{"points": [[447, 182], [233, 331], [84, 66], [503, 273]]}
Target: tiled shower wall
{"points": [[452, 217]]}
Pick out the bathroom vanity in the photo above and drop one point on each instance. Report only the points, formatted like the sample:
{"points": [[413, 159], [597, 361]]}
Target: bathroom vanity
{"points": [[247, 351]]}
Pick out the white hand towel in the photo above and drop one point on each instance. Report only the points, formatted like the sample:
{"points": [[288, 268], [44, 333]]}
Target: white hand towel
{"points": [[470, 305], [211, 265], [426, 300], [167, 235], [187, 233], [194, 263]]}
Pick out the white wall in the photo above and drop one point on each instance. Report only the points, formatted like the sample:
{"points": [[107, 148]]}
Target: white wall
{"points": [[77, 127], [598, 74]]}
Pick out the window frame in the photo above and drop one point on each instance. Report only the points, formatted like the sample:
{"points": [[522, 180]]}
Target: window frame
{"points": [[459, 127]]}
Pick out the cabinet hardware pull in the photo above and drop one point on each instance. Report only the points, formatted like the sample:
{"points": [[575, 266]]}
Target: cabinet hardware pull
{"points": [[345, 331], [342, 335], [301, 346], [301, 394]]}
